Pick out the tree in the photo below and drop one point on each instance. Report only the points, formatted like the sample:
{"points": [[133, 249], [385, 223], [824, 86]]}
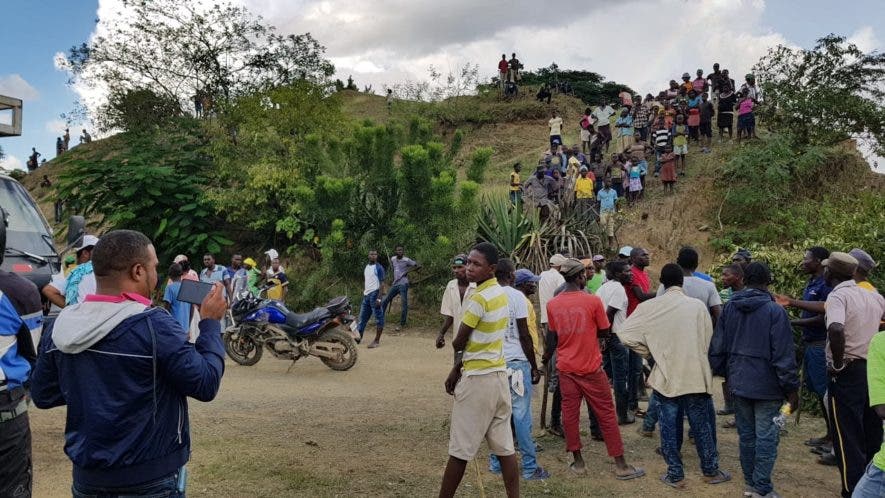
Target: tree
{"points": [[590, 87], [183, 49], [824, 95], [139, 109]]}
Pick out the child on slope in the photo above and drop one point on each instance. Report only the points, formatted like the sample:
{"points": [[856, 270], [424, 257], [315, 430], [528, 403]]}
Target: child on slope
{"points": [[746, 119]]}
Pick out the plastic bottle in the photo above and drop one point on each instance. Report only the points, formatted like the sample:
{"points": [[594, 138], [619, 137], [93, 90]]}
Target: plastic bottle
{"points": [[781, 419]]}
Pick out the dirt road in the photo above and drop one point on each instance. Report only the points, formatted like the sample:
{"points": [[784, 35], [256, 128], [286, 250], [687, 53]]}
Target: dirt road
{"points": [[381, 429]]}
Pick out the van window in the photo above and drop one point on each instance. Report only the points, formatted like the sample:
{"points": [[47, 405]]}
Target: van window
{"points": [[22, 214]]}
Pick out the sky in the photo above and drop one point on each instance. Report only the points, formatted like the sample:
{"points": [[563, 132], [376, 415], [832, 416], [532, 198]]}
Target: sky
{"points": [[643, 43]]}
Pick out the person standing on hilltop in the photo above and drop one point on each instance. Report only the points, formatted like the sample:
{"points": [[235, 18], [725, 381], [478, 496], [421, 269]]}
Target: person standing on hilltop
{"points": [[503, 66], [555, 125], [516, 186], [514, 66], [389, 99], [603, 114], [59, 147], [67, 139]]}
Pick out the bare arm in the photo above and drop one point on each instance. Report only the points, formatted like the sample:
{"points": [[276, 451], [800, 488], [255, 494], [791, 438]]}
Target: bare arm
{"points": [[441, 337], [836, 335], [715, 313], [525, 340], [643, 296], [54, 296]]}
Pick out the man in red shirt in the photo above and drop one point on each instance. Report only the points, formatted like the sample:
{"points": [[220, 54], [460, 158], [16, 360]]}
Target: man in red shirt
{"points": [[576, 322], [502, 71], [638, 290]]}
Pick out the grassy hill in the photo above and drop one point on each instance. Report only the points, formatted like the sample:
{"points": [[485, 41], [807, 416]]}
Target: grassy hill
{"points": [[517, 132]]}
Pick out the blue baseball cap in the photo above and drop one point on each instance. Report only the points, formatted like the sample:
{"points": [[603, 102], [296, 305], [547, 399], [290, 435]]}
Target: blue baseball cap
{"points": [[524, 275]]}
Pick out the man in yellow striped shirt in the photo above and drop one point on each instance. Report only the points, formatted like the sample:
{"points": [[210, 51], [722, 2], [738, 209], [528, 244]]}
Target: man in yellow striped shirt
{"points": [[482, 406]]}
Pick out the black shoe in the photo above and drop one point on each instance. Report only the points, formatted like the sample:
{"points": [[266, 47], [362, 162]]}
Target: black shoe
{"points": [[556, 431], [627, 419], [817, 441], [724, 412], [829, 459]]}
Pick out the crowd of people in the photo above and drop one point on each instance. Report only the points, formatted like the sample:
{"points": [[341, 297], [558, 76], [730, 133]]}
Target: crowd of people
{"points": [[603, 334], [658, 128]]}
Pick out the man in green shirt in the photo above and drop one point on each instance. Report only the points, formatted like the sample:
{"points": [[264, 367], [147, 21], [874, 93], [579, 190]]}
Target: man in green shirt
{"points": [[253, 275], [598, 279], [872, 483]]}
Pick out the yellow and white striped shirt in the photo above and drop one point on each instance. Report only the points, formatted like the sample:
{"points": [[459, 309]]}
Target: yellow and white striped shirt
{"points": [[487, 314]]}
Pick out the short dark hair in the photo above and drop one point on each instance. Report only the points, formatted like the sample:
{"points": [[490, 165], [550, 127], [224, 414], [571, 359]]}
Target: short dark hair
{"points": [[757, 273], [671, 275], [175, 270], [616, 266], [504, 269], [118, 250], [819, 252], [687, 258], [489, 251], [735, 268]]}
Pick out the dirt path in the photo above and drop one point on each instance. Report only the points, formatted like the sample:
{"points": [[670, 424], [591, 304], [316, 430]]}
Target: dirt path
{"points": [[381, 429]]}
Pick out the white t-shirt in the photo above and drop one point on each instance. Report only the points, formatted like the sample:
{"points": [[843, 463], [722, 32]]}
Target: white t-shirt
{"points": [[370, 277], [517, 307], [555, 126], [87, 285], [452, 305], [614, 295], [550, 281], [603, 115], [700, 289]]}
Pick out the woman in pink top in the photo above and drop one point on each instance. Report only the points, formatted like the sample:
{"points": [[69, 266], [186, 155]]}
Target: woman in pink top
{"points": [[746, 119]]}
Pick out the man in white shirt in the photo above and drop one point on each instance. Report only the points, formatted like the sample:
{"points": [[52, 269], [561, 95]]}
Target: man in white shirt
{"points": [[697, 287], [373, 289], [519, 353], [550, 281], [602, 114], [555, 132], [457, 292], [614, 298]]}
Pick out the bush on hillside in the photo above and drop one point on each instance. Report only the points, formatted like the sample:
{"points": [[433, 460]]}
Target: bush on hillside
{"points": [[479, 162]]}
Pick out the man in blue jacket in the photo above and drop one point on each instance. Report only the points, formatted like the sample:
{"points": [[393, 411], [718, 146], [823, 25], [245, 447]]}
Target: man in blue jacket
{"points": [[753, 349], [125, 370]]}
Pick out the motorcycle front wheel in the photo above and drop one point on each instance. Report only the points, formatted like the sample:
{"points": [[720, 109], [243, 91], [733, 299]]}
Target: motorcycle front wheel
{"points": [[241, 346], [345, 359]]}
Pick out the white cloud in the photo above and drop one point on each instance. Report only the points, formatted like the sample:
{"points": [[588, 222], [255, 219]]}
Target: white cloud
{"points": [[56, 127], [387, 41], [865, 39], [13, 85], [10, 163]]}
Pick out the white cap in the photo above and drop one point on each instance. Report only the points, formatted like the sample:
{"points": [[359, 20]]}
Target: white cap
{"points": [[272, 253], [180, 258], [88, 240]]}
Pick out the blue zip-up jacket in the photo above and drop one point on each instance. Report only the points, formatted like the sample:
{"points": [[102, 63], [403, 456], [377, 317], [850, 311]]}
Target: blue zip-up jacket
{"points": [[752, 347], [124, 371]]}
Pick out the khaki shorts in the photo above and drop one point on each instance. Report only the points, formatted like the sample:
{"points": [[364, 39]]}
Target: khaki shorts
{"points": [[607, 220], [481, 411]]}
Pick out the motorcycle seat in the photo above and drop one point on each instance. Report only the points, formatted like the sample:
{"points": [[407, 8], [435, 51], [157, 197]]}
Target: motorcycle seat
{"points": [[298, 320]]}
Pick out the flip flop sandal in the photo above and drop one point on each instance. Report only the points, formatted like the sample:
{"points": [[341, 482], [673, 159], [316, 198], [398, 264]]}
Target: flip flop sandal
{"points": [[637, 473], [675, 485], [576, 471], [719, 478], [639, 413]]}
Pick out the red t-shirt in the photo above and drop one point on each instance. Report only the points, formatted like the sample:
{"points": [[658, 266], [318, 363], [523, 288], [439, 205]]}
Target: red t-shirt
{"points": [[576, 317], [640, 278], [502, 66]]}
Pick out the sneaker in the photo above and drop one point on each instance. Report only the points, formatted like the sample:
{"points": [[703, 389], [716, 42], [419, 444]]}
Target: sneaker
{"points": [[829, 460], [538, 475], [556, 430], [644, 433]]}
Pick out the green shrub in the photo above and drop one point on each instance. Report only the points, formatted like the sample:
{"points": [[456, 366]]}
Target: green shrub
{"points": [[479, 162]]}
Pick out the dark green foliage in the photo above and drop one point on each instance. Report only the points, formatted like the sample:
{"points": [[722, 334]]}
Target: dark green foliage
{"points": [[824, 95], [588, 86], [137, 110], [156, 189], [457, 142], [479, 162]]}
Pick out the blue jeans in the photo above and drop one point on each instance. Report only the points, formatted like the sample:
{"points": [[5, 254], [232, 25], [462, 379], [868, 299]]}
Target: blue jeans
{"points": [[617, 355], [815, 366], [758, 436], [652, 413], [367, 309], [403, 291], [164, 487], [871, 484], [701, 418], [522, 422]]}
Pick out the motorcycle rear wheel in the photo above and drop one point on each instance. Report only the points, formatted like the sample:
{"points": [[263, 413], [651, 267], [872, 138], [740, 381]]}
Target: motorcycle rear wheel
{"points": [[242, 348], [348, 357]]}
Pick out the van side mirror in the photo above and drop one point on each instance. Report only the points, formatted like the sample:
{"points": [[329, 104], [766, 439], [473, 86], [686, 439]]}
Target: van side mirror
{"points": [[76, 229]]}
